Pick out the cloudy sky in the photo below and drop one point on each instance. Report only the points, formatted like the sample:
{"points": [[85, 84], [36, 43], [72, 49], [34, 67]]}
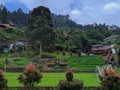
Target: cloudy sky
{"points": [[80, 11]]}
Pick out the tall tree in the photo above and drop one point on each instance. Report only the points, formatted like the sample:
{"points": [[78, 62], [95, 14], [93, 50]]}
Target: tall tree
{"points": [[40, 27], [19, 18], [4, 15]]}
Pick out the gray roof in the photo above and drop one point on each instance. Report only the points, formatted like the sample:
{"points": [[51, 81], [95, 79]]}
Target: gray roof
{"points": [[102, 48], [111, 38]]}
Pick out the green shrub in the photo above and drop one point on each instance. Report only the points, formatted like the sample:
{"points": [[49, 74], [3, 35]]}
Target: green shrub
{"points": [[60, 47], [69, 74], [64, 53], [63, 64], [110, 80], [1, 64], [30, 76], [70, 84], [51, 64], [3, 81], [22, 62], [46, 55]]}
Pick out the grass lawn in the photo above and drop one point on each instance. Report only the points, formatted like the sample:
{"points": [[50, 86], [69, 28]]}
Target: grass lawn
{"points": [[52, 79]]}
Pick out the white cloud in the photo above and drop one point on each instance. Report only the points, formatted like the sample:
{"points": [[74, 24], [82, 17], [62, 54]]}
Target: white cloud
{"points": [[76, 12], [30, 4], [58, 7], [112, 7]]}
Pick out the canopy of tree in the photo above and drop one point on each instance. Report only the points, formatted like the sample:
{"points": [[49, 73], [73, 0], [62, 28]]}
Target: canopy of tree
{"points": [[44, 26]]}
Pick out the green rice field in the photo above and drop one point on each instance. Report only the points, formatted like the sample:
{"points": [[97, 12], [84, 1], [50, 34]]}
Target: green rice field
{"points": [[52, 79]]}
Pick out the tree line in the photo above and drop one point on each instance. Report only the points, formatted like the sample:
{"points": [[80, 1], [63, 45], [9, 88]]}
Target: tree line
{"points": [[65, 32]]}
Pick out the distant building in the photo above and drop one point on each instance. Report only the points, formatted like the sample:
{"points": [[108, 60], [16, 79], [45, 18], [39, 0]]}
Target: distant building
{"points": [[21, 43], [99, 49], [4, 26], [111, 38]]}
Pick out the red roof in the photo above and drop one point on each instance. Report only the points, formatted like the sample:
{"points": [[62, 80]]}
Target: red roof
{"points": [[7, 26]]}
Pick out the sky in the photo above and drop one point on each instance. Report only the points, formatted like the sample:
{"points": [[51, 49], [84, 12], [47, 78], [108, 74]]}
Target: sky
{"points": [[81, 11]]}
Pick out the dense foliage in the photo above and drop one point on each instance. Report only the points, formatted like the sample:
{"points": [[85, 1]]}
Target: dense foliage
{"points": [[3, 81], [19, 18], [63, 21], [72, 38], [30, 76], [69, 74], [110, 80], [40, 25], [70, 84], [67, 33]]}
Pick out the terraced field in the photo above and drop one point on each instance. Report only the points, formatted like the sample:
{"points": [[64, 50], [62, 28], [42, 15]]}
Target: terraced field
{"points": [[83, 62]]}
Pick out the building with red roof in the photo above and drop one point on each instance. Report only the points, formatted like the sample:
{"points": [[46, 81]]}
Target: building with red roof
{"points": [[99, 49]]}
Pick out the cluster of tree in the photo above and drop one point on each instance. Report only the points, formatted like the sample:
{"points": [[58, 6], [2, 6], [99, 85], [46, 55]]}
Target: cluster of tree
{"points": [[18, 17], [115, 29], [85, 36], [63, 21], [13, 39], [3, 14], [72, 38], [48, 28], [97, 32], [10, 35]]}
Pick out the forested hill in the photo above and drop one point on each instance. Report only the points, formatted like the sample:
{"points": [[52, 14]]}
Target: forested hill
{"points": [[64, 21], [80, 36], [20, 18]]}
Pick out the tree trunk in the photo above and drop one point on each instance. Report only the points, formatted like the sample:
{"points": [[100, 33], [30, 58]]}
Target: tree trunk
{"points": [[14, 42], [26, 48], [40, 54]]}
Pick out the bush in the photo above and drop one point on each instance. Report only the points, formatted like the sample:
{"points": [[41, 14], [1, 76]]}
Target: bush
{"points": [[46, 55], [3, 81], [69, 74], [109, 79], [30, 76], [64, 52], [111, 82], [63, 64], [60, 47], [51, 64], [20, 61], [70, 84]]}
